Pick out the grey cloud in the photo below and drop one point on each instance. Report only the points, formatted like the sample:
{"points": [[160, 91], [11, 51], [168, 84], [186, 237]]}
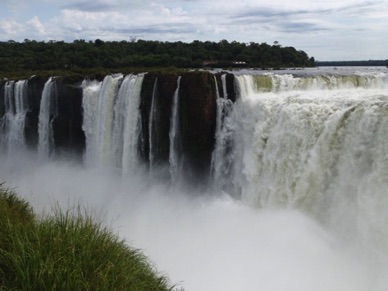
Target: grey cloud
{"points": [[98, 6], [361, 7], [153, 29], [93, 6], [267, 13], [300, 27], [284, 21]]}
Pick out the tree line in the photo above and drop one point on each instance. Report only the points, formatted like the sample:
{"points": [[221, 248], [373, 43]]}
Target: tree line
{"points": [[59, 55], [353, 63]]}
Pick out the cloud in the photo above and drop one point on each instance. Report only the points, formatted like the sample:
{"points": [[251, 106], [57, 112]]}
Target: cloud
{"points": [[10, 27], [89, 6], [304, 24], [301, 27], [104, 5], [36, 25]]}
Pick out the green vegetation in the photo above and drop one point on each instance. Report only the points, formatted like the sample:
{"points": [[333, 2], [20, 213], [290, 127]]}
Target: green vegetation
{"points": [[82, 57], [353, 63], [66, 252]]}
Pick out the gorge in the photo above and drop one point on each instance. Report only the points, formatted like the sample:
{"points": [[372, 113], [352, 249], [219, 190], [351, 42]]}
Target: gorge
{"points": [[228, 180]]}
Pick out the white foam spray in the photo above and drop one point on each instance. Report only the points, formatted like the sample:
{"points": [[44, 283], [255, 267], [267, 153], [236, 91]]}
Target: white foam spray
{"points": [[174, 135], [47, 114], [16, 108]]}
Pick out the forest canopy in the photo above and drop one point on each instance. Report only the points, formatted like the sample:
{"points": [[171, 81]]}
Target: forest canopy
{"points": [[34, 55]]}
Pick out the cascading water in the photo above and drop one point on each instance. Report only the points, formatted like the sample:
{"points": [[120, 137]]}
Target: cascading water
{"points": [[132, 128], [9, 107], [112, 121], [321, 149], [151, 126], [16, 108], [174, 135], [98, 102], [91, 92], [307, 153], [47, 114], [223, 154]]}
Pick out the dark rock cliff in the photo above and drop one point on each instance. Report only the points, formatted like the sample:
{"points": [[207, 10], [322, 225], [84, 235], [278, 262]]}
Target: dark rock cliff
{"points": [[2, 108], [35, 88], [67, 125], [230, 86], [197, 114], [162, 89]]}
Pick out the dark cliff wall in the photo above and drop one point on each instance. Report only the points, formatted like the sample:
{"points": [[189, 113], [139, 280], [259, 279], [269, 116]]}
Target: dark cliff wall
{"points": [[197, 114], [2, 106], [67, 125], [35, 88], [197, 120], [162, 88], [230, 86]]}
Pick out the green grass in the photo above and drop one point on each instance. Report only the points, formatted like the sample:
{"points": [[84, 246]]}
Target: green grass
{"points": [[67, 251]]}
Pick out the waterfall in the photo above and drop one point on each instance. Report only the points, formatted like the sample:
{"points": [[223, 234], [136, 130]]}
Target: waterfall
{"points": [[91, 93], [270, 82], [119, 121], [9, 106], [107, 98], [297, 195], [112, 121], [174, 135], [223, 156], [320, 151], [16, 108], [132, 125], [224, 90], [48, 112], [151, 126], [98, 104]]}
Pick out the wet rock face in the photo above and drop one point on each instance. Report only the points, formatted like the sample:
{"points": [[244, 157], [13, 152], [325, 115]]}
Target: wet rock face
{"points": [[35, 88], [67, 125], [166, 86], [197, 113], [162, 89], [230, 87], [2, 107], [145, 108], [197, 120]]}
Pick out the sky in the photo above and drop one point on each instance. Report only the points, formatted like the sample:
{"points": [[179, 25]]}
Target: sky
{"points": [[325, 29]]}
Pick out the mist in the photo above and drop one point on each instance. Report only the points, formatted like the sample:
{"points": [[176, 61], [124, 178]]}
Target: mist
{"points": [[202, 241]]}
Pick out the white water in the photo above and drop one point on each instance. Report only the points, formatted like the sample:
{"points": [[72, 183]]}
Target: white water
{"points": [[90, 99], [312, 168], [223, 154], [16, 107], [98, 103], [132, 127], [174, 136], [321, 151], [151, 126], [112, 122], [47, 114]]}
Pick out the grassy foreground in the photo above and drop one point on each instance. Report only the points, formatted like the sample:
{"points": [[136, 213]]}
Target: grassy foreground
{"points": [[66, 252]]}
